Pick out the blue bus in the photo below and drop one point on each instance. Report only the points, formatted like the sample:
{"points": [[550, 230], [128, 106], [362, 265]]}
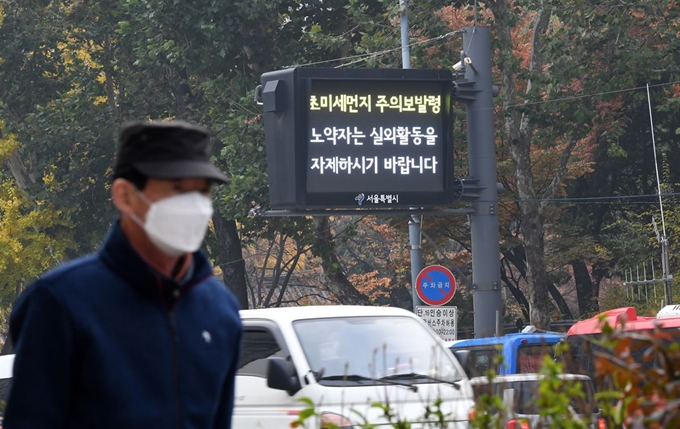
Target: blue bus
{"points": [[522, 353]]}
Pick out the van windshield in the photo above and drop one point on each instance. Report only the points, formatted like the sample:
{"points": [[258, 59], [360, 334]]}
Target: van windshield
{"points": [[371, 348]]}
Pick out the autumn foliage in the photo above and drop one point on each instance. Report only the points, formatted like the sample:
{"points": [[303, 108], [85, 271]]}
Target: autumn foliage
{"points": [[639, 375]]}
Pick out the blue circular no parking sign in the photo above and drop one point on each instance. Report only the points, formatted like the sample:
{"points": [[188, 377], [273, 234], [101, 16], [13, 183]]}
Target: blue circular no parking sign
{"points": [[435, 285]]}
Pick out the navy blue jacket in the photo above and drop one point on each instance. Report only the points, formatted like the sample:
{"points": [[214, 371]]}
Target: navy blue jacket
{"points": [[106, 342]]}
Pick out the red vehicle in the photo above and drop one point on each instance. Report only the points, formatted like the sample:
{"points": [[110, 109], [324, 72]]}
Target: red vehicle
{"points": [[580, 337], [667, 318]]}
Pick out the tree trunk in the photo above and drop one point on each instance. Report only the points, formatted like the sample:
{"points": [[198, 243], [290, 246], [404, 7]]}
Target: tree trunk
{"points": [[332, 275], [276, 274], [23, 177], [231, 258], [565, 311], [519, 130], [515, 256], [108, 74], [517, 293], [585, 289], [539, 299]]}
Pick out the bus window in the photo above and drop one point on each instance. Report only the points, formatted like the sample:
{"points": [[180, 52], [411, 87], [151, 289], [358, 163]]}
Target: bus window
{"points": [[530, 358], [481, 360]]}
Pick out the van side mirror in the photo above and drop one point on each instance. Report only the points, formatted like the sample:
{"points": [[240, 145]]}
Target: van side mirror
{"points": [[282, 376], [462, 356]]}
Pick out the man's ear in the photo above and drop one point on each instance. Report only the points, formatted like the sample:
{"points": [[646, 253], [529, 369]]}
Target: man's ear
{"points": [[121, 193]]}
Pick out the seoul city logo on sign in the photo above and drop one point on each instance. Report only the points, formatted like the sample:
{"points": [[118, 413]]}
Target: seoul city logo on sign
{"points": [[435, 285]]}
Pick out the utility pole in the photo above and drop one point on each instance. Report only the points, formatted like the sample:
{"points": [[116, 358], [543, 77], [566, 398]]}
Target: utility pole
{"points": [[477, 92]]}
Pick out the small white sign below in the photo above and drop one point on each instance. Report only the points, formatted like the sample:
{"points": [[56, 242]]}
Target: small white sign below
{"points": [[443, 320]]}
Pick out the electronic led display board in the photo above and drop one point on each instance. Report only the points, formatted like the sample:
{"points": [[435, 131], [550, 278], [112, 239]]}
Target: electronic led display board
{"points": [[364, 138]]}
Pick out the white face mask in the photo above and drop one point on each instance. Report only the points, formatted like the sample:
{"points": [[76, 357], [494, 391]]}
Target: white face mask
{"points": [[177, 224]]}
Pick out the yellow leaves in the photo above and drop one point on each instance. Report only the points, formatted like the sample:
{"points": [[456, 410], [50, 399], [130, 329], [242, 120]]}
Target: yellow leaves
{"points": [[48, 178], [51, 182], [601, 251], [217, 271], [9, 205], [8, 143], [82, 52], [26, 248], [74, 55]]}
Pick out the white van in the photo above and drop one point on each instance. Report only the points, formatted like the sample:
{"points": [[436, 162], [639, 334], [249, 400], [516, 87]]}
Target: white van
{"points": [[520, 393], [6, 364], [344, 359]]}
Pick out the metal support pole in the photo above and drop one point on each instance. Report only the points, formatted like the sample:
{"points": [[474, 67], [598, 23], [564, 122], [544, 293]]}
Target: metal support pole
{"points": [[652, 265], [487, 298], [416, 256], [415, 238], [405, 48], [644, 273], [667, 278]]}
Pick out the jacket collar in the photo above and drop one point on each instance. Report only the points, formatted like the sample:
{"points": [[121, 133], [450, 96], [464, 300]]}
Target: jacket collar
{"points": [[123, 259]]}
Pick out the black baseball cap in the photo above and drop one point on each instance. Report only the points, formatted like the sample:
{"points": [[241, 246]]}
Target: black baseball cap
{"points": [[165, 150]]}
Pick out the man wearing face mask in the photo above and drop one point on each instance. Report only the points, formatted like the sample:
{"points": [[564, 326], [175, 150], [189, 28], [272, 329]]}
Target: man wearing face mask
{"points": [[139, 334]]}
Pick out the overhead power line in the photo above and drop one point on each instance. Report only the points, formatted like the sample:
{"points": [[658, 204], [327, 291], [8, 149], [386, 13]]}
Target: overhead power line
{"points": [[613, 199], [596, 94], [364, 57], [354, 59]]}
